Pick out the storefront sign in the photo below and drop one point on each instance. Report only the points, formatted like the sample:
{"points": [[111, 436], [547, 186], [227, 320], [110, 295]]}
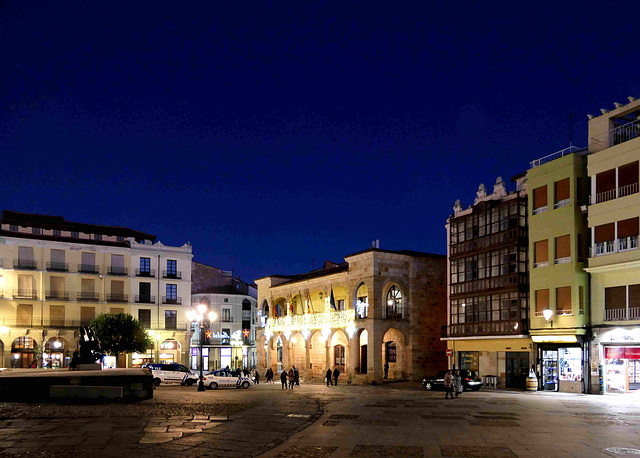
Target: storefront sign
{"points": [[554, 339], [622, 352], [622, 335]]}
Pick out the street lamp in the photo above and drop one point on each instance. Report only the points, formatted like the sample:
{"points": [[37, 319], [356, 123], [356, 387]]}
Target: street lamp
{"points": [[197, 316], [548, 314]]}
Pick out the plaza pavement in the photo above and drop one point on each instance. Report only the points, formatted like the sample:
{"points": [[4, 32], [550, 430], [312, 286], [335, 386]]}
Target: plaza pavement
{"points": [[318, 421]]}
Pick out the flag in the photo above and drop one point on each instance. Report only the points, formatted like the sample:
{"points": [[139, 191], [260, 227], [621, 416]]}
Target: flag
{"points": [[275, 309], [290, 307], [333, 301], [308, 302]]}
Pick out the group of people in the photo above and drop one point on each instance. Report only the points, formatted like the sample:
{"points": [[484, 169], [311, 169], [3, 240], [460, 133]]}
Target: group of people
{"points": [[292, 377], [335, 374], [452, 381]]}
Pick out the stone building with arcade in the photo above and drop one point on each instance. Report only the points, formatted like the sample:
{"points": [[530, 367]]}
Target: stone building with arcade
{"points": [[377, 306]]}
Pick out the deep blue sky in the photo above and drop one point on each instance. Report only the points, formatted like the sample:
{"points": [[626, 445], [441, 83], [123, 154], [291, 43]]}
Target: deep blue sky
{"points": [[272, 134]]}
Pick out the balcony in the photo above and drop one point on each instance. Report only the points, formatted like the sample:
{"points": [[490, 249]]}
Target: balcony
{"points": [[614, 246], [611, 194], [22, 264], [621, 314], [330, 319], [171, 300], [151, 273], [566, 260], [88, 297], [510, 281], [539, 210], [554, 156], [57, 295], [624, 133], [486, 241], [145, 299], [537, 265], [88, 269], [25, 294], [113, 297], [114, 270], [57, 267], [562, 203], [508, 327], [172, 274]]}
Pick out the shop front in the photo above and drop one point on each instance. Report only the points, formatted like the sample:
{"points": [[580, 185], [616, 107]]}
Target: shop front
{"points": [[169, 351], [560, 363], [140, 359], [23, 352], [616, 359], [56, 354]]}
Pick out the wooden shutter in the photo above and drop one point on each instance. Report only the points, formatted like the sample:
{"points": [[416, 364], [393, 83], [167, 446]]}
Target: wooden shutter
{"points": [[87, 314], [25, 282], [542, 251], [605, 181], [24, 314], [605, 233], [57, 315], [627, 228], [540, 197], [615, 298], [25, 253], [88, 285], [542, 299], [117, 287], [562, 190], [563, 247], [117, 260], [563, 298], [628, 174], [88, 259], [57, 256], [634, 296], [57, 284], [114, 310]]}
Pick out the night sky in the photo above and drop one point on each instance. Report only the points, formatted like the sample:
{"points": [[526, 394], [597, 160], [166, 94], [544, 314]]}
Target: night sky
{"points": [[271, 134]]}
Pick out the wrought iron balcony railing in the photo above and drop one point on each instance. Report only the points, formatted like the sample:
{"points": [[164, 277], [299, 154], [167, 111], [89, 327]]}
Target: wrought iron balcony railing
{"points": [[172, 274], [87, 297], [57, 267], [23, 264], [145, 299], [58, 295], [145, 273], [25, 294], [112, 297], [115, 270], [88, 269], [171, 300]]}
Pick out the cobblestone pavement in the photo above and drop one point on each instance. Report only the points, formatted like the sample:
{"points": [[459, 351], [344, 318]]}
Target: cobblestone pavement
{"points": [[397, 420]]}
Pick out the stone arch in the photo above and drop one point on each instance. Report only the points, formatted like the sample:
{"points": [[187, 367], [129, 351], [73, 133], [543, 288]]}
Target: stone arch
{"points": [[297, 305], [394, 352], [297, 351], [361, 300], [53, 355], [23, 351], [341, 293], [317, 301], [317, 354], [280, 308], [264, 317], [394, 301], [338, 349], [362, 339]]}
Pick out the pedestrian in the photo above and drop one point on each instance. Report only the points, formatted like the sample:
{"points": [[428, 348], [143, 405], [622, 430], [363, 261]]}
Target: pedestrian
{"points": [[386, 369], [296, 376], [292, 378], [283, 379], [257, 377], [457, 383], [336, 374], [270, 371], [327, 377], [448, 385]]}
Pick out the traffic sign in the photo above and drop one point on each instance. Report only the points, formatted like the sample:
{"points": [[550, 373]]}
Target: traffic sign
{"points": [[449, 352]]}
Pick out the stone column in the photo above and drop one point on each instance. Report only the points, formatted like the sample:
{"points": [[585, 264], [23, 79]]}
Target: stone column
{"points": [[374, 357], [353, 355], [308, 372]]}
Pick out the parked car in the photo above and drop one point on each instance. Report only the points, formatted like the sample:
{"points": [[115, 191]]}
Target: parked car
{"points": [[171, 374], [470, 381], [224, 378]]}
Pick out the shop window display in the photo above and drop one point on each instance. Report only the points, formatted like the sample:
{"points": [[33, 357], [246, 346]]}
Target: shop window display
{"points": [[570, 362], [622, 368]]}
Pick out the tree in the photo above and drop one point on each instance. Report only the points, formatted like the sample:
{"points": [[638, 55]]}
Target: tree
{"points": [[120, 333]]}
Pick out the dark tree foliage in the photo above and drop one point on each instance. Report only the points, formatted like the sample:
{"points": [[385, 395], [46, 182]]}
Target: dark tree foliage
{"points": [[120, 333]]}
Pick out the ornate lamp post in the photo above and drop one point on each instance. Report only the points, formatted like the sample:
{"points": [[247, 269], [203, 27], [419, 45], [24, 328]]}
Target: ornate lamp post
{"points": [[197, 316]]}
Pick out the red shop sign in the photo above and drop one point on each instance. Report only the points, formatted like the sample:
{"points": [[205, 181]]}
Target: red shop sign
{"points": [[622, 352]]}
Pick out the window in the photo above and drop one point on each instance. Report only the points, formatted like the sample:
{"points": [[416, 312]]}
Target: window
{"points": [[226, 332], [541, 253], [97, 236], [628, 179], [394, 303], [144, 317], [172, 267], [390, 352], [75, 235], [634, 296], [172, 292], [226, 299], [13, 227], [87, 314], [170, 319], [562, 193], [120, 238], [542, 301], [628, 228], [144, 290], [340, 304], [605, 233], [24, 314], [145, 265], [563, 300], [36, 230], [540, 200], [57, 315], [226, 315], [57, 232], [563, 249]]}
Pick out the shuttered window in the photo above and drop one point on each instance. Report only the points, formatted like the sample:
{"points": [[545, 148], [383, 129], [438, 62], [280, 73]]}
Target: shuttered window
{"points": [[615, 298], [542, 251], [88, 259], [25, 253], [563, 247], [627, 228], [57, 256], [87, 314], [57, 315], [634, 296], [542, 299], [563, 299], [24, 314], [57, 284], [605, 233], [628, 174], [605, 181], [88, 285], [539, 197], [562, 190], [117, 287]]}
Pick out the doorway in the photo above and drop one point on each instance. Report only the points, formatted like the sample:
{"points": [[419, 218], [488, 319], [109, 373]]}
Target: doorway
{"points": [[517, 368], [363, 359]]}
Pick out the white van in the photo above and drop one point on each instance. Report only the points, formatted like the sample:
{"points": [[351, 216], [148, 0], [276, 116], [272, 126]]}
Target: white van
{"points": [[171, 374]]}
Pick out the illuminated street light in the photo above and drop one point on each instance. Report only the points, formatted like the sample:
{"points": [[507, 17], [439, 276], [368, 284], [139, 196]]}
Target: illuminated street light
{"points": [[548, 314], [198, 317]]}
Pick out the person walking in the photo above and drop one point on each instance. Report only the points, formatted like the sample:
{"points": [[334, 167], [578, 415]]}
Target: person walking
{"points": [[386, 369], [336, 374], [292, 379], [457, 383], [257, 377], [296, 376], [448, 385], [328, 377], [283, 379]]}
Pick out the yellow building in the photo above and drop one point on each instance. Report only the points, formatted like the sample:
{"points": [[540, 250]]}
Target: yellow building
{"points": [[559, 285], [614, 258], [56, 276]]}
